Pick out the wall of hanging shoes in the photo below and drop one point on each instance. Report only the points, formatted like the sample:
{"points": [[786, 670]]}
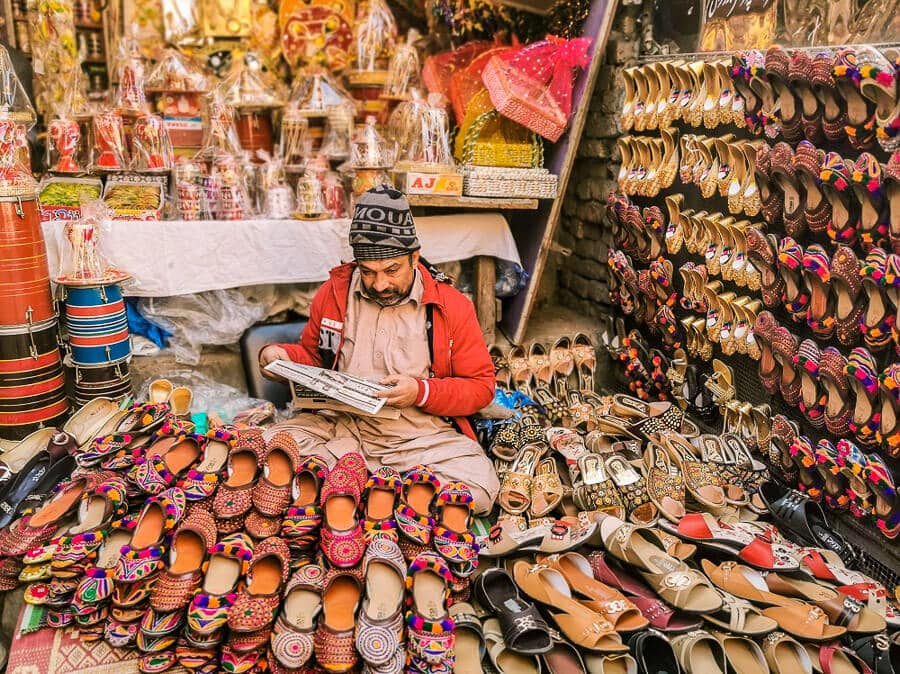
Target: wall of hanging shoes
{"points": [[757, 229]]}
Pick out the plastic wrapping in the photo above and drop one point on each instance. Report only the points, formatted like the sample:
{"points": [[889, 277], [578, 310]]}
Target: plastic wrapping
{"points": [[190, 201], [276, 196], [315, 91], [81, 261], [422, 131], [64, 147], [151, 146], [54, 51], [334, 194], [15, 177], [219, 133], [375, 37], [175, 72], [13, 99], [371, 150], [338, 128], [247, 87], [533, 85], [232, 200], [216, 317], [295, 140], [130, 97], [214, 398], [109, 148], [404, 69], [310, 199]]}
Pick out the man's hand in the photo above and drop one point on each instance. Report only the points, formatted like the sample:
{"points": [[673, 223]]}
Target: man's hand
{"points": [[268, 355], [404, 392]]}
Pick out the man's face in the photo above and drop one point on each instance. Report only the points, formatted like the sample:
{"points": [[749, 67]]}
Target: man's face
{"points": [[389, 281]]}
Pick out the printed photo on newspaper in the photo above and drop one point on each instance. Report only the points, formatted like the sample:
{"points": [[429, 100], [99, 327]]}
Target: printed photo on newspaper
{"points": [[344, 388]]}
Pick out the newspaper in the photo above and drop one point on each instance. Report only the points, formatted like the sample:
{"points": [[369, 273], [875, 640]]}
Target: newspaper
{"points": [[356, 392]]}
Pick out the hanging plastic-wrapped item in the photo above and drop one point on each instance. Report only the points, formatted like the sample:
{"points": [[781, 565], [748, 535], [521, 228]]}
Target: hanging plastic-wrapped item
{"points": [[233, 202], [15, 177], [152, 148], [338, 129], [404, 69], [109, 147], [374, 43], [81, 261]]}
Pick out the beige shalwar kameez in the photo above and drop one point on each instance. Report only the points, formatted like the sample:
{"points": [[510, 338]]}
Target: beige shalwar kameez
{"points": [[381, 341]]}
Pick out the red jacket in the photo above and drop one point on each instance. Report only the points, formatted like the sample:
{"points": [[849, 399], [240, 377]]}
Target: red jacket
{"points": [[462, 374]]}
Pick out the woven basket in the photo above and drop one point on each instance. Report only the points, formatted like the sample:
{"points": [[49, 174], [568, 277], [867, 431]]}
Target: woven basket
{"points": [[523, 100], [487, 139], [514, 183]]}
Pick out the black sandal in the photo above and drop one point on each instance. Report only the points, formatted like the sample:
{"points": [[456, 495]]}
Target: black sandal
{"points": [[795, 512], [653, 652], [524, 629]]}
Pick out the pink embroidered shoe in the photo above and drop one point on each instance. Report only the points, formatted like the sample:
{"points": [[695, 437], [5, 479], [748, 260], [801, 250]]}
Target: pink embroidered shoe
{"points": [[343, 542], [452, 534]]}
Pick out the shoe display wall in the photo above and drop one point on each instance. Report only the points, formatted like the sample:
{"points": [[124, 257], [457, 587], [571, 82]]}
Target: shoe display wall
{"points": [[783, 224]]}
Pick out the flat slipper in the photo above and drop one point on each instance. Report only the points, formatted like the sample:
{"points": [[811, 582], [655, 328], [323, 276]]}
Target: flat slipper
{"points": [[809, 623]]}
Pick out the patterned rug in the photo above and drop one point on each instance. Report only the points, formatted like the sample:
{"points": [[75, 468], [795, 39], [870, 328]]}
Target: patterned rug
{"points": [[49, 651]]}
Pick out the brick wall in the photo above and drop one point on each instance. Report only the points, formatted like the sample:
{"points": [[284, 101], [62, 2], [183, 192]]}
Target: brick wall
{"points": [[582, 276]]}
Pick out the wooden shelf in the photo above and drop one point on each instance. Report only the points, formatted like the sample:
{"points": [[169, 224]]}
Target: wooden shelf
{"points": [[490, 203], [89, 26]]}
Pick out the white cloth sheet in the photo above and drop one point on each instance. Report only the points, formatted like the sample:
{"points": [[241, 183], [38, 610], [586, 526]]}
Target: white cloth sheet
{"points": [[176, 257]]}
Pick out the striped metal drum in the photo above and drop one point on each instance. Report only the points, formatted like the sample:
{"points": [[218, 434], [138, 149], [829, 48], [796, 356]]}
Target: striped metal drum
{"points": [[106, 381], [32, 381], [25, 297], [96, 324]]}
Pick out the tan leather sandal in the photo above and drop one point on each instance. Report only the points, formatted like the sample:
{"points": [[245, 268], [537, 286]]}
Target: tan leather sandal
{"points": [[583, 626], [699, 651], [671, 578], [785, 655]]}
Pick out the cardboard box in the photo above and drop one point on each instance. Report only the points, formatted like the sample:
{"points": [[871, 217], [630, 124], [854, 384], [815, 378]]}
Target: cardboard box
{"points": [[435, 184]]}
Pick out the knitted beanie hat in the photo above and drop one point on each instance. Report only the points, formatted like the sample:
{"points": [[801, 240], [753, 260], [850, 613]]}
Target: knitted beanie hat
{"points": [[382, 226]]}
